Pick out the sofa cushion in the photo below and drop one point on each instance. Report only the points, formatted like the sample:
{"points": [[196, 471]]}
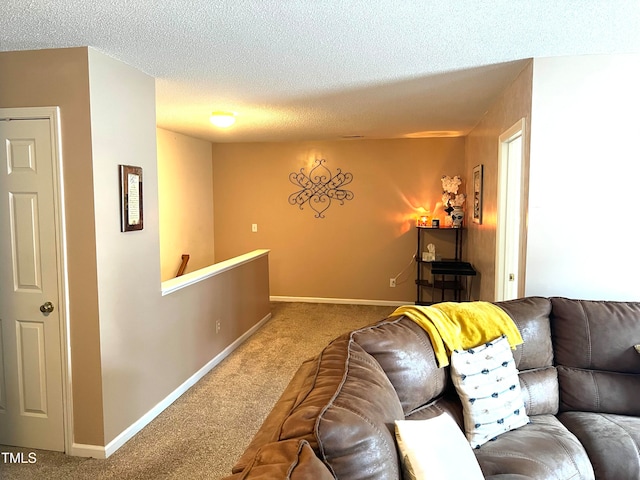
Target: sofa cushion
{"points": [[289, 460], [348, 416], [435, 448], [612, 442], [486, 379], [540, 390], [594, 344], [597, 391], [509, 476], [534, 357], [531, 316], [404, 351], [448, 403], [596, 335], [543, 449]]}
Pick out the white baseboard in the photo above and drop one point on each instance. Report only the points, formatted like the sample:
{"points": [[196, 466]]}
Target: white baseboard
{"points": [[349, 301], [96, 451], [82, 450]]}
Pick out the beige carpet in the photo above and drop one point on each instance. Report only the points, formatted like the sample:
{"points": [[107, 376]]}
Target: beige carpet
{"points": [[204, 432]]}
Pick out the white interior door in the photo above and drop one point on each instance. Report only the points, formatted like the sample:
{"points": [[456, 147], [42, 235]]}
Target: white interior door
{"points": [[509, 218], [31, 388]]}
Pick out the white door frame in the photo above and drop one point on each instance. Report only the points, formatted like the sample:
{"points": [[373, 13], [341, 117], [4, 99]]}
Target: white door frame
{"points": [[502, 233], [53, 115]]}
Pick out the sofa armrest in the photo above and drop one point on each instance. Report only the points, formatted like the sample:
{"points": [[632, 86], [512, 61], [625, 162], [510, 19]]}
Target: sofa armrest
{"points": [[290, 459], [272, 425]]}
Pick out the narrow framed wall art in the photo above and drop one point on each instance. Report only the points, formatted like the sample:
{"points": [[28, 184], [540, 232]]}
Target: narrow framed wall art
{"points": [[131, 211], [477, 193]]}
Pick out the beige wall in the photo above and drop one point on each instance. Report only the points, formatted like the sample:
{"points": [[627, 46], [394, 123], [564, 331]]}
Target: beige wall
{"points": [[352, 252], [123, 132], [150, 344], [131, 347], [185, 202], [60, 78], [482, 148]]}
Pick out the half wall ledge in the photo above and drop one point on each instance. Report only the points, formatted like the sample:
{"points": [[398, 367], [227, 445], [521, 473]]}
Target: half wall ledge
{"points": [[178, 283]]}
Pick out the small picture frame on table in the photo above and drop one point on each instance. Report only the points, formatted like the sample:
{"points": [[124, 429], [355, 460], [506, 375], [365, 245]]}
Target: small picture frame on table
{"points": [[131, 211], [477, 193]]}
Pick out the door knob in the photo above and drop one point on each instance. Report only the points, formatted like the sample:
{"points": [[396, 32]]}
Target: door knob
{"points": [[46, 307]]}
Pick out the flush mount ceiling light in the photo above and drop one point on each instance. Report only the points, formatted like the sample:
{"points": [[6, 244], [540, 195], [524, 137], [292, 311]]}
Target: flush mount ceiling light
{"points": [[223, 119], [435, 134]]}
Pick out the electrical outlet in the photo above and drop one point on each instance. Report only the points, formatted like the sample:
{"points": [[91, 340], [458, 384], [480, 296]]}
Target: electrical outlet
{"points": [[217, 326], [392, 282], [254, 227]]}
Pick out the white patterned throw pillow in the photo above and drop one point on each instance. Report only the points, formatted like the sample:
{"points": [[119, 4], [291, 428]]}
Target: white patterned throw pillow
{"points": [[486, 379]]}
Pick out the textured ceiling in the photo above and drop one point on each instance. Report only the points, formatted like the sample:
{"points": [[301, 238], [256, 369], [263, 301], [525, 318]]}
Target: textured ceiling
{"points": [[324, 69]]}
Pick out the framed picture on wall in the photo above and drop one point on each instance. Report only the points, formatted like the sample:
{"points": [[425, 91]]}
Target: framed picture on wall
{"points": [[131, 211], [477, 193]]}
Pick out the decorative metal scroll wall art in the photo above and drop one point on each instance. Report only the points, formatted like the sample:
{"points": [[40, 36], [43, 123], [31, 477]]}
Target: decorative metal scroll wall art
{"points": [[320, 188]]}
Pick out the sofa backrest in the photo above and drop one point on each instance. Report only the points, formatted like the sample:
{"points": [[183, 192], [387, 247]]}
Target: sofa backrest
{"points": [[534, 357], [598, 366], [404, 351]]}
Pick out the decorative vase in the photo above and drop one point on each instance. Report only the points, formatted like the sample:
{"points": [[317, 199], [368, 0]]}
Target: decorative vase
{"points": [[456, 217], [448, 221]]}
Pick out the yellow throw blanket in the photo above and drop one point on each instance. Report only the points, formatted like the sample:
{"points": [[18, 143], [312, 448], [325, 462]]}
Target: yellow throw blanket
{"points": [[460, 326]]}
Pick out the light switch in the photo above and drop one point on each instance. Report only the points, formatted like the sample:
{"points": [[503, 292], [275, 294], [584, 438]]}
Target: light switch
{"points": [[254, 227]]}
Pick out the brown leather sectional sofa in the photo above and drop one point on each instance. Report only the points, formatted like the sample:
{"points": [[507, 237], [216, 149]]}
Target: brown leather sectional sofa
{"points": [[580, 378]]}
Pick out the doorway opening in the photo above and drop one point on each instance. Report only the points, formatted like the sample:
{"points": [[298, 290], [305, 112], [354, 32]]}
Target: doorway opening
{"points": [[509, 236]]}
